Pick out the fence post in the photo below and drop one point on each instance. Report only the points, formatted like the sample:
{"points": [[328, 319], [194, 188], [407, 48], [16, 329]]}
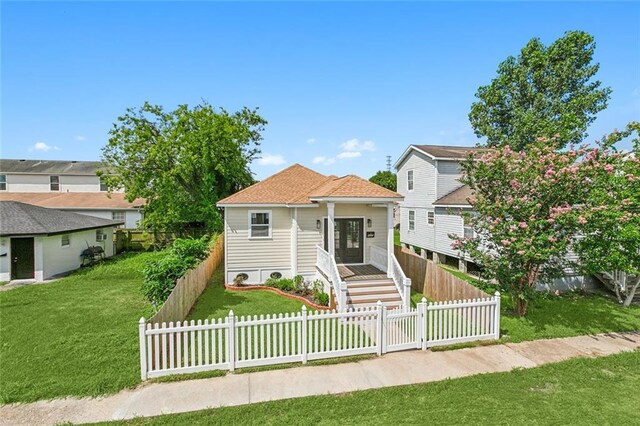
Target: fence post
{"points": [[343, 296], [143, 348], [231, 341], [407, 293], [496, 318], [303, 346], [379, 326], [422, 323]]}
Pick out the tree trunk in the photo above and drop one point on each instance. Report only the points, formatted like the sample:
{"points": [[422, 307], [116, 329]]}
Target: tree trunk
{"points": [[632, 292], [521, 306]]}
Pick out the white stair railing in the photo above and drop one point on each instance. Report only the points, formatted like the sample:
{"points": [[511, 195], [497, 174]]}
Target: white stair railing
{"points": [[327, 265], [403, 284]]}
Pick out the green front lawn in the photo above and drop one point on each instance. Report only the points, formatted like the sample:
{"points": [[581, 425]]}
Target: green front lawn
{"points": [[578, 391], [570, 314], [74, 336], [216, 301]]}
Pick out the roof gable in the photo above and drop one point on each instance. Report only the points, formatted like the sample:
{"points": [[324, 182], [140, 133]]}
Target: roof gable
{"points": [[440, 152], [299, 185]]}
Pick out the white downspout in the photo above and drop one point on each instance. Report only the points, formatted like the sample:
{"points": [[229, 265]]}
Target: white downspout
{"points": [[294, 241]]}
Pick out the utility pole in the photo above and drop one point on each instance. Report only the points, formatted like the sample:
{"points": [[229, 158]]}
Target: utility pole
{"points": [[388, 163]]}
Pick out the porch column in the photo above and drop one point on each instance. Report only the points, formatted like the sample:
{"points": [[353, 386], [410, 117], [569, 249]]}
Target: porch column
{"points": [[389, 237], [331, 236]]}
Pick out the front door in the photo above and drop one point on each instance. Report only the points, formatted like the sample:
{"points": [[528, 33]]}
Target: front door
{"points": [[349, 240], [22, 265]]}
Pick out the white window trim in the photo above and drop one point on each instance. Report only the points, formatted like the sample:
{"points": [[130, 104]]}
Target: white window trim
{"points": [[5, 182], [249, 228], [58, 183], [409, 220], [65, 245], [412, 180], [434, 217]]}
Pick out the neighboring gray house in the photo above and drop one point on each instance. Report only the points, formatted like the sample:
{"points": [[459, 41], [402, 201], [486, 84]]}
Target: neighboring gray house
{"points": [[434, 200], [37, 243], [66, 185]]}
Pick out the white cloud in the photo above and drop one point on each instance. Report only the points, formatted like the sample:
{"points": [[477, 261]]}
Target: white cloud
{"points": [[311, 141], [271, 160], [80, 138], [42, 147], [354, 145], [348, 154], [321, 159]]}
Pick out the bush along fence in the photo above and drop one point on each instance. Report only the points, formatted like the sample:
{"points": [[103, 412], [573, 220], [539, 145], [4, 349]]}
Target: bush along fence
{"points": [[148, 240], [190, 286], [232, 342], [433, 281]]}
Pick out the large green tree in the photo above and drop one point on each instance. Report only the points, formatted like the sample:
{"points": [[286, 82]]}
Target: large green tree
{"points": [[610, 218], [385, 179], [182, 162], [545, 91]]}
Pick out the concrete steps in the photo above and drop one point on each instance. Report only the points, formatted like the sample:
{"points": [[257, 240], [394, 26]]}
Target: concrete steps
{"points": [[362, 294]]}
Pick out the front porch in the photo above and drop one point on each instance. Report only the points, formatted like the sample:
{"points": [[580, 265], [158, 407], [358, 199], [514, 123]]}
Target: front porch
{"points": [[361, 273]]}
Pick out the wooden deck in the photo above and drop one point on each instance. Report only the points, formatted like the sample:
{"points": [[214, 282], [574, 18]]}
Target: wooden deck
{"points": [[361, 273]]}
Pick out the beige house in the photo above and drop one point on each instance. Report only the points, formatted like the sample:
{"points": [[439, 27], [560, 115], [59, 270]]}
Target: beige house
{"points": [[280, 226]]}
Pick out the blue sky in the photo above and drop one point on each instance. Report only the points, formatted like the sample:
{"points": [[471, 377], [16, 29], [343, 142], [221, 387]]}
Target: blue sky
{"points": [[342, 85]]}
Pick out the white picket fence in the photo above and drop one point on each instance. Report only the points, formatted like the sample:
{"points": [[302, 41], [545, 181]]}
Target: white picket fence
{"points": [[236, 342]]}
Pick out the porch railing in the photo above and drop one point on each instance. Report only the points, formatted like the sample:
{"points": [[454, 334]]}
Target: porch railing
{"points": [[403, 284], [327, 265]]}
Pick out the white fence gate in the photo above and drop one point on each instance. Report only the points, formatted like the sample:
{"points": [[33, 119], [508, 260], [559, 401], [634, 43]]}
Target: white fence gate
{"points": [[232, 342]]}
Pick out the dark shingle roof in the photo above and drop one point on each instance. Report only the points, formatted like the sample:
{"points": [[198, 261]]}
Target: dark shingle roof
{"points": [[457, 197], [24, 219], [50, 167], [453, 152]]}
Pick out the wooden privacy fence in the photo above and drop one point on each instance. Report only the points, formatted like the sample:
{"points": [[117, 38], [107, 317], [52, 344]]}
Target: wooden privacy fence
{"points": [[433, 281], [232, 342], [190, 287]]}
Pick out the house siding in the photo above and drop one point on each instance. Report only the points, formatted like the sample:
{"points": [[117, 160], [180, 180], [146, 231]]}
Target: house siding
{"points": [[258, 258], [448, 175], [420, 199], [308, 238]]}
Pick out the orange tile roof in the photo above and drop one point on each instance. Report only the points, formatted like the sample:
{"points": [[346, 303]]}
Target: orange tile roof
{"points": [[70, 200], [298, 185]]}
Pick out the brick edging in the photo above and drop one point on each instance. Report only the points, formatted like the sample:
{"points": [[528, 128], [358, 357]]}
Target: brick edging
{"points": [[277, 291]]}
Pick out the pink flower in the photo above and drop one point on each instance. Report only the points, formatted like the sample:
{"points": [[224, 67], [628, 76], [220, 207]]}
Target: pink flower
{"points": [[608, 168], [552, 239], [523, 225], [582, 220], [514, 184], [520, 252], [505, 243]]}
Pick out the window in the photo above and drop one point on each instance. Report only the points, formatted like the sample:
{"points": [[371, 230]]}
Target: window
{"points": [[468, 231], [412, 220], [118, 216], [101, 235], [103, 186], [259, 224], [3, 182], [65, 240], [54, 183], [409, 180], [431, 218]]}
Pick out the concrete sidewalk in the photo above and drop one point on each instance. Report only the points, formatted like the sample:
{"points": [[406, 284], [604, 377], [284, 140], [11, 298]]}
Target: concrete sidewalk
{"points": [[401, 368]]}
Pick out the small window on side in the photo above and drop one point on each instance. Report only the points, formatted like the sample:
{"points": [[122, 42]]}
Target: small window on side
{"points": [[431, 218], [3, 182], [412, 220], [54, 183], [409, 180], [260, 224], [65, 240], [103, 186]]}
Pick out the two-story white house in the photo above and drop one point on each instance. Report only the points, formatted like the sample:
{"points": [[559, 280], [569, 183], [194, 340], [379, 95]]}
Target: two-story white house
{"points": [[433, 197], [66, 185], [433, 207]]}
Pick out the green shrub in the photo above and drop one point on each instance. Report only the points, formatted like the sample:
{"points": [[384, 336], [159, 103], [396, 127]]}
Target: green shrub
{"points": [[284, 284], [322, 299], [163, 270]]}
